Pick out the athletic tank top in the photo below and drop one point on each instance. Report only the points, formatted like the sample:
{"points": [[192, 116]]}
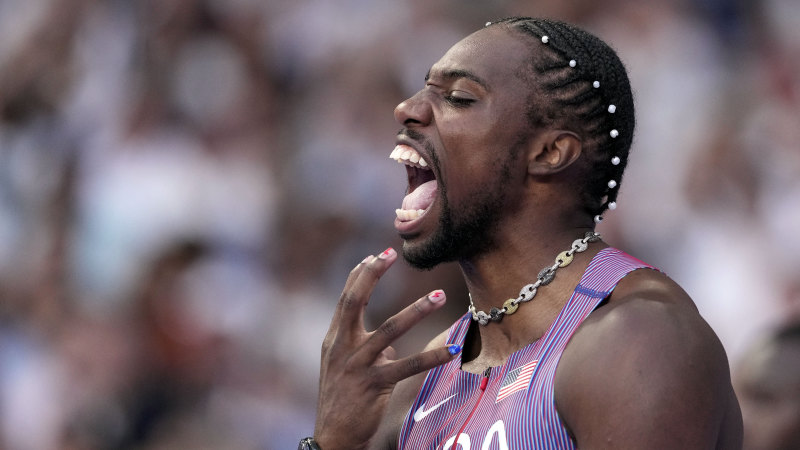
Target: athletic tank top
{"points": [[511, 406]]}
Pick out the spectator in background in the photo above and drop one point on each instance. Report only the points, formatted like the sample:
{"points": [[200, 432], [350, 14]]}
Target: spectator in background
{"points": [[767, 382]]}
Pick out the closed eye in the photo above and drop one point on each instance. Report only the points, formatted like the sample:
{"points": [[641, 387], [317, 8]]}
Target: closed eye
{"points": [[459, 102]]}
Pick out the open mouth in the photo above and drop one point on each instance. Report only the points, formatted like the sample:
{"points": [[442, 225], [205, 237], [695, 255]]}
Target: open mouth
{"points": [[422, 185]]}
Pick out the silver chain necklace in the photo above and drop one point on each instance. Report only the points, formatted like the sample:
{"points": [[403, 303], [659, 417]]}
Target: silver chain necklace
{"points": [[544, 278]]}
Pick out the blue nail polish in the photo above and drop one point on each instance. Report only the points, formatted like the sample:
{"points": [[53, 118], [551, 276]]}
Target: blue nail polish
{"points": [[454, 349]]}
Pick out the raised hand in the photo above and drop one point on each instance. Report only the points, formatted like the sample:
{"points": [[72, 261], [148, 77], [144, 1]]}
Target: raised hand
{"points": [[359, 369]]}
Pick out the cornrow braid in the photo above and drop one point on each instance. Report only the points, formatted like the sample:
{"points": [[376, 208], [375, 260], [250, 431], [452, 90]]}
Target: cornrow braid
{"points": [[586, 88]]}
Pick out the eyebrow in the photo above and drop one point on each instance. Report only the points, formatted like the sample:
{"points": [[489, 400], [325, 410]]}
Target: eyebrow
{"points": [[453, 74]]}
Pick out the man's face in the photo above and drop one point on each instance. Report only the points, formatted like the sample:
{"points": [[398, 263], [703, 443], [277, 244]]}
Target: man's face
{"points": [[468, 125]]}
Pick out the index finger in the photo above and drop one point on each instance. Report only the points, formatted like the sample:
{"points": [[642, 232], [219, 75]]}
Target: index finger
{"points": [[397, 325]]}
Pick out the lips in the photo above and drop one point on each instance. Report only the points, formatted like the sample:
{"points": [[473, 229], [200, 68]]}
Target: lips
{"points": [[422, 186]]}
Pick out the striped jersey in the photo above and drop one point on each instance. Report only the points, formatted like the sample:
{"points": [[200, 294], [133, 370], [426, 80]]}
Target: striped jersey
{"points": [[511, 406]]}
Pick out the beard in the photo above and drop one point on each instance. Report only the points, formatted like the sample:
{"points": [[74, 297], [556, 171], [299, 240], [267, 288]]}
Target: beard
{"points": [[462, 232], [460, 236]]}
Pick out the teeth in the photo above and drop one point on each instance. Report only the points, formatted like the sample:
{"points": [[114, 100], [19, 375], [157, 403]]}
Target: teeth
{"points": [[408, 214], [407, 155]]}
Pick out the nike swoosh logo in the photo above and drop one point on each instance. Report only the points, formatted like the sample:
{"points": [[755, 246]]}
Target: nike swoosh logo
{"points": [[422, 413]]}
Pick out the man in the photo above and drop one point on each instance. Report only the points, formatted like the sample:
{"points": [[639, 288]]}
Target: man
{"points": [[514, 149], [768, 384]]}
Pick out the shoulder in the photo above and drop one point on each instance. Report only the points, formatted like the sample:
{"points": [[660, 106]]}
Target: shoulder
{"points": [[645, 371], [400, 402]]}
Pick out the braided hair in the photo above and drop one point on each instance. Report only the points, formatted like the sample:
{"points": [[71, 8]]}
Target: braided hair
{"points": [[586, 89]]}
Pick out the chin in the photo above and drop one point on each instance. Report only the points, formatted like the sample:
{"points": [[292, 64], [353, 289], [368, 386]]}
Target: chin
{"points": [[420, 257], [437, 249]]}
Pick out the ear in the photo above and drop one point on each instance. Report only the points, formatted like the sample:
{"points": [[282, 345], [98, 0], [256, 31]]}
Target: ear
{"points": [[553, 151]]}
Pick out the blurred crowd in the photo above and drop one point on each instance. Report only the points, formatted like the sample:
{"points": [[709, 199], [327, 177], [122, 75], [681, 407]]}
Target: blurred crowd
{"points": [[185, 184]]}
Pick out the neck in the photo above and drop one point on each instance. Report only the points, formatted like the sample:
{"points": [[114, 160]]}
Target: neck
{"points": [[498, 275], [503, 271]]}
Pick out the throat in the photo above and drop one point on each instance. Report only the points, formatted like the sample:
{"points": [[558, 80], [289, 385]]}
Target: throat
{"points": [[489, 348]]}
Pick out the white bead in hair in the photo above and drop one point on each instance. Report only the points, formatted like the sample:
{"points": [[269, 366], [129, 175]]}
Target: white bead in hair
{"points": [[545, 39], [612, 109], [612, 184], [615, 160], [598, 218], [612, 206], [614, 133], [573, 63], [596, 84], [487, 24]]}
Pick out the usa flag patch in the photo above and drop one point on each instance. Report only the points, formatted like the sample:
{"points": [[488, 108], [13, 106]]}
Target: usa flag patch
{"points": [[516, 380]]}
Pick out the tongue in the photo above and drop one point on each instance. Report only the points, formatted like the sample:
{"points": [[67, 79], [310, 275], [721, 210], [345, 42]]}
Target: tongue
{"points": [[422, 197]]}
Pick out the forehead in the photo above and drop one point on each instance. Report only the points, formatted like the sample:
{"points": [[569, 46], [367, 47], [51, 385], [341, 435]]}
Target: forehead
{"points": [[493, 55]]}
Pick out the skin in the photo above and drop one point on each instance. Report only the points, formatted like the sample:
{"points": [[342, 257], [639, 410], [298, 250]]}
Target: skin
{"points": [[668, 388], [358, 371]]}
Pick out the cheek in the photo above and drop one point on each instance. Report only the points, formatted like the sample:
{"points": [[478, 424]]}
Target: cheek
{"points": [[482, 124], [476, 145]]}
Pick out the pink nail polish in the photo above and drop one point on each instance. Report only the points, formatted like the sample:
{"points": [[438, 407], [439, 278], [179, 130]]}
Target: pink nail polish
{"points": [[387, 253], [437, 296], [366, 259]]}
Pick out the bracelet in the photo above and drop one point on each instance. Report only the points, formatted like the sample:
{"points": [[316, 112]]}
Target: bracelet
{"points": [[308, 444]]}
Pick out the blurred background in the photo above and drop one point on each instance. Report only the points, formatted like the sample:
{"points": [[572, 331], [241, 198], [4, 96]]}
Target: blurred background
{"points": [[185, 184]]}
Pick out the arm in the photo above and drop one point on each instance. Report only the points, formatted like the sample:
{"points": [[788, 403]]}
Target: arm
{"points": [[646, 371], [358, 371]]}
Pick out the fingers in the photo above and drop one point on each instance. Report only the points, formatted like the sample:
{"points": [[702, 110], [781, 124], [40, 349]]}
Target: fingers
{"points": [[347, 286], [358, 288], [401, 322], [412, 365], [357, 270]]}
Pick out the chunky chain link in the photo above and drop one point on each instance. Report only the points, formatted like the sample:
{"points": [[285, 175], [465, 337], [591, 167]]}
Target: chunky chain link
{"points": [[528, 292]]}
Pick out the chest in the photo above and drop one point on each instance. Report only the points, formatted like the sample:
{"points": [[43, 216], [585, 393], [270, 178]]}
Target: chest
{"points": [[510, 406]]}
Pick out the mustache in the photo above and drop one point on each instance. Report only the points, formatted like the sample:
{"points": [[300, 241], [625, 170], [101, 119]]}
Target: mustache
{"points": [[418, 137], [412, 134]]}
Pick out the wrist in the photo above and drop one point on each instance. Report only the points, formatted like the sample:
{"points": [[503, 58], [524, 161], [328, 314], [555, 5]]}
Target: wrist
{"points": [[308, 444], [311, 443]]}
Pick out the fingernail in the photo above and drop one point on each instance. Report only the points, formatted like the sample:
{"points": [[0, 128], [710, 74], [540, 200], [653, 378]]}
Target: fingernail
{"points": [[454, 349], [366, 259], [387, 253], [437, 296]]}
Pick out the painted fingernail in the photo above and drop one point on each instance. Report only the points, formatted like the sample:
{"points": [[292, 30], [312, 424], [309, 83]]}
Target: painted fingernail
{"points": [[454, 349], [437, 296], [366, 259], [387, 253]]}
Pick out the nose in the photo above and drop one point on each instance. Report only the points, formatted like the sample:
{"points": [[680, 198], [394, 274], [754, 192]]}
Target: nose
{"points": [[415, 110]]}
